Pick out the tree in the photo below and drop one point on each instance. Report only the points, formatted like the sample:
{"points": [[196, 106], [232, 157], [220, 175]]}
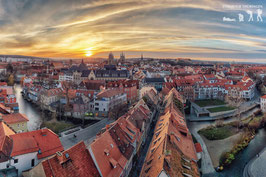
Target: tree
{"points": [[233, 98], [11, 80], [67, 86], [9, 68], [219, 123]]}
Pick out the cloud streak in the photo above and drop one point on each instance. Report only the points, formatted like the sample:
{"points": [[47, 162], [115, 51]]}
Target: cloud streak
{"points": [[173, 28]]}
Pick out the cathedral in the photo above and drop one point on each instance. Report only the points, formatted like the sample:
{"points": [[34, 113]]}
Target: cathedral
{"points": [[113, 61], [122, 58]]}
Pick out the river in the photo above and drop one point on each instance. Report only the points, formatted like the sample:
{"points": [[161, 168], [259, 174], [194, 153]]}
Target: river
{"points": [[28, 109], [237, 167]]}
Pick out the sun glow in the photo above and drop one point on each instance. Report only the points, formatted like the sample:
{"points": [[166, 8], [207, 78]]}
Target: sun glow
{"points": [[88, 53]]}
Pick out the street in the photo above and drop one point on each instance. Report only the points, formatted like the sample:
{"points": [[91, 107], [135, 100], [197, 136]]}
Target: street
{"points": [[136, 169], [87, 135]]}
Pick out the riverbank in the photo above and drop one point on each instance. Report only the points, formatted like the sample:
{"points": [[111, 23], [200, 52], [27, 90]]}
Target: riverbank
{"points": [[217, 148], [57, 126], [37, 119], [222, 141], [237, 167]]}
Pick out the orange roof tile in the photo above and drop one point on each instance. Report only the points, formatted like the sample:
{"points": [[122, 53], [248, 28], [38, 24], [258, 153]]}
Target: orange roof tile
{"points": [[109, 93], [15, 118], [198, 147], [5, 141], [105, 151], [171, 142], [264, 97], [74, 162], [44, 140]]}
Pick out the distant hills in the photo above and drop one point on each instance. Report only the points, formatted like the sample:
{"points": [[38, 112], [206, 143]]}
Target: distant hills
{"points": [[21, 56]]}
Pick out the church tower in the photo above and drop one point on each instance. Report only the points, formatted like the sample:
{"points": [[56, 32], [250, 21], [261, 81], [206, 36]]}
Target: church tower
{"points": [[122, 58], [111, 59]]}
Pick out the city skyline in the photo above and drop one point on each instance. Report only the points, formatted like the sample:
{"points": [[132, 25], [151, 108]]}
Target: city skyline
{"points": [[159, 29]]}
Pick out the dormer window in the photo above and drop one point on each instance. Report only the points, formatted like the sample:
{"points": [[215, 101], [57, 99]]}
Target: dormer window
{"points": [[113, 162], [106, 152], [152, 150]]}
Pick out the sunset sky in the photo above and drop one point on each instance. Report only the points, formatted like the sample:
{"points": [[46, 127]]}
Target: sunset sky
{"points": [[156, 28]]}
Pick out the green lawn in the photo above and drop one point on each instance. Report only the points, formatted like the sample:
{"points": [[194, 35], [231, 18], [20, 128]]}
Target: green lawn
{"points": [[213, 102], [217, 133], [220, 109], [57, 126]]}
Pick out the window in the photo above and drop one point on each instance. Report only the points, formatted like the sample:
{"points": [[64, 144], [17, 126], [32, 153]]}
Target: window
{"points": [[152, 150], [149, 162], [32, 162], [15, 160], [131, 131], [147, 170]]}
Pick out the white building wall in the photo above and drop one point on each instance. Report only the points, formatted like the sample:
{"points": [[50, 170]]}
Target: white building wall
{"points": [[3, 165], [263, 104], [24, 162], [103, 105]]}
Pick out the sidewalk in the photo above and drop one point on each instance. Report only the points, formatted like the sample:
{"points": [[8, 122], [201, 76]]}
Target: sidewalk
{"points": [[206, 162]]}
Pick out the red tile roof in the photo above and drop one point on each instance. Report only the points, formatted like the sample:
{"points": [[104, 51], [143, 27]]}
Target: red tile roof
{"points": [[15, 118], [264, 97], [74, 162], [114, 148], [109, 93], [108, 157], [138, 118], [124, 83], [171, 142], [3, 84], [53, 92], [5, 141], [198, 147], [93, 84], [5, 147], [122, 140], [44, 140], [5, 130]]}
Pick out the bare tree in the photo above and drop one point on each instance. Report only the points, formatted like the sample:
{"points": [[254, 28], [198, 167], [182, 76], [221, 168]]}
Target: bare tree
{"points": [[234, 99]]}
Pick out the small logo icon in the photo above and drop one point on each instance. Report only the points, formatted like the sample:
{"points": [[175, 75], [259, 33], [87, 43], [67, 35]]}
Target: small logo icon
{"points": [[226, 19], [240, 17], [250, 13], [259, 13]]}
